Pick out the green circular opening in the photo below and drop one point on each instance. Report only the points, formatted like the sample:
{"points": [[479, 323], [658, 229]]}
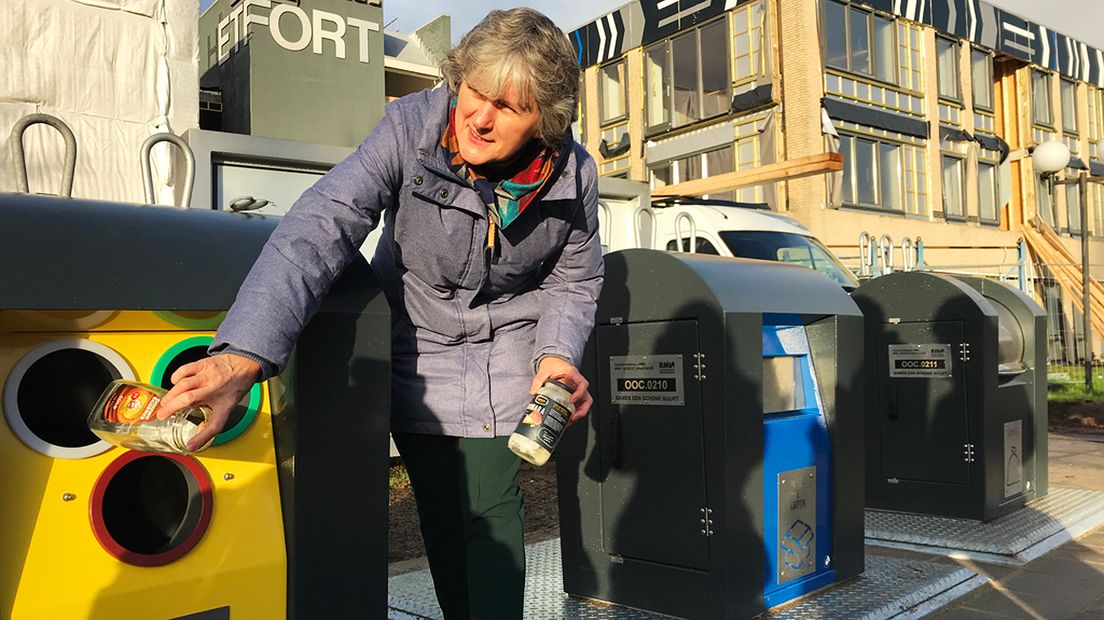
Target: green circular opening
{"points": [[194, 349]]}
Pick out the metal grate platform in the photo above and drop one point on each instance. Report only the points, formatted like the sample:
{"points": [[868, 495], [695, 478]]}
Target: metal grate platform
{"points": [[890, 588], [1017, 538]]}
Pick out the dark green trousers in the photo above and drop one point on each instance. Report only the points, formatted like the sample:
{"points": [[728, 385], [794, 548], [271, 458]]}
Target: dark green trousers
{"points": [[470, 511]]}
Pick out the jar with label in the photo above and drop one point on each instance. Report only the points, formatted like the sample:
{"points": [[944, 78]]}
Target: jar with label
{"points": [[126, 415], [545, 419]]}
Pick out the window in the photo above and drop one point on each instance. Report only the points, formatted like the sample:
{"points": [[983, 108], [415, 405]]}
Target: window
{"points": [[788, 248], [911, 76], [873, 172], [1096, 203], [953, 188], [988, 191], [1044, 204], [701, 246], [716, 82], [656, 79], [611, 92], [684, 51], [946, 58], [578, 127], [1073, 203], [693, 167], [1068, 89], [835, 35], [748, 42], [889, 175], [687, 78], [1096, 121], [858, 32], [885, 49], [859, 41], [981, 66], [719, 161], [1040, 97]]}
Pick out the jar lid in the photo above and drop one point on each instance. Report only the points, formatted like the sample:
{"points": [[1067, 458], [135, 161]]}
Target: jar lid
{"points": [[561, 384]]}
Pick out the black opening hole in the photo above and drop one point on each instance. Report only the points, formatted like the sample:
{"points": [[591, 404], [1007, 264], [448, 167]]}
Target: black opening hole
{"points": [[151, 505], [194, 354], [58, 392]]}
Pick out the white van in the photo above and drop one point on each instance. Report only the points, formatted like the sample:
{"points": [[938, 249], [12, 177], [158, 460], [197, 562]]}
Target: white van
{"points": [[628, 219]]}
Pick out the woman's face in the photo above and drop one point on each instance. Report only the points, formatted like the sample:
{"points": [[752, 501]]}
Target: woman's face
{"points": [[492, 131]]}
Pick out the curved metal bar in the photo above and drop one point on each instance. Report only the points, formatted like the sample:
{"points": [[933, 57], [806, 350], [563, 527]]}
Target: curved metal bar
{"points": [[864, 253], [908, 259], [885, 253], [644, 210], [693, 232], [147, 171], [605, 217], [21, 160]]}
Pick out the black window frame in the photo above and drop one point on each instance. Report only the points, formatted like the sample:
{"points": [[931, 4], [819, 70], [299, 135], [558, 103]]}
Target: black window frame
{"points": [[961, 164], [975, 51], [956, 49], [668, 91], [1062, 85], [995, 220], [602, 120], [871, 38], [1073, 206], [850, 176], [1045, 77]]}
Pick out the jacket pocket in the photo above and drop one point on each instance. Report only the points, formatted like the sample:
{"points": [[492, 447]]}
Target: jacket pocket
{"points": [[434, 241]]}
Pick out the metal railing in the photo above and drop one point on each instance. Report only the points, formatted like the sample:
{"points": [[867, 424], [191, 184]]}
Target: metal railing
{"points": [[1067, 347]]}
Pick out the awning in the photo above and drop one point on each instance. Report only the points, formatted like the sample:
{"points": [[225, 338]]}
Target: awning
{"points": [[881, 119]]}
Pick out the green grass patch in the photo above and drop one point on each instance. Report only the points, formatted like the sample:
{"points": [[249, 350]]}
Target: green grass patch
{"points": [[1066, 383], [398, 479]]}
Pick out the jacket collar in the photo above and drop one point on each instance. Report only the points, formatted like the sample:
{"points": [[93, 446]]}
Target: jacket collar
{"points": [[429, 153]]}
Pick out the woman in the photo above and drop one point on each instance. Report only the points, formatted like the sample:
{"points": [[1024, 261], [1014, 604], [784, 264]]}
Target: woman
{"points": [[490, 260]]}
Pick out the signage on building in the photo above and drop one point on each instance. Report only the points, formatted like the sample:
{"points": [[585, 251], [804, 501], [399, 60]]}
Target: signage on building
{"points": [[293, 28]]}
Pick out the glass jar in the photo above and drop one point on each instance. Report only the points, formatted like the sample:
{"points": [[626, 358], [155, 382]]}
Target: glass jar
{"points": [[126, 415], [545, 419]]}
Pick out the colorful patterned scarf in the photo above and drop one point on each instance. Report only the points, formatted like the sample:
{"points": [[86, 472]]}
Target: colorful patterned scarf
{"points": [[505, 199]]}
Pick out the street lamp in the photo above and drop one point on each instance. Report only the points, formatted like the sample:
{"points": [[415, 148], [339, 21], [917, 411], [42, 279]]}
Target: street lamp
{"points": [[1049, 158]]}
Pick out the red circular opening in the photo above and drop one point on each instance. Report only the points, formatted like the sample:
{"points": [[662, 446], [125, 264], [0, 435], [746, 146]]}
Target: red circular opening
{"points": [[151, 509]]}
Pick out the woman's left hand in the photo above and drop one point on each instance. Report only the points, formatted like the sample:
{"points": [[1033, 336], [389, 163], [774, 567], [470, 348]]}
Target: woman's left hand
{"points": [[562, 370]]}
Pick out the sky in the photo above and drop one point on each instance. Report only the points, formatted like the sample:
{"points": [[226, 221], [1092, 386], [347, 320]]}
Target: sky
{"points": [[1080, 19]]}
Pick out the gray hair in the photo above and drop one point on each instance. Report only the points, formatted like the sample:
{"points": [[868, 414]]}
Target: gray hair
{"points": [[520, 48]]}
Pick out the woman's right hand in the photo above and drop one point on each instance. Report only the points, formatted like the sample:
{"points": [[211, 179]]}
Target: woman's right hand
{"points": [[217, 382]]}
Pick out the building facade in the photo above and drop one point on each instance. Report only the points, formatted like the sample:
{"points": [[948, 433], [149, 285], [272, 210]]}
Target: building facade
{"points": [[935, 105], [314, 72]]}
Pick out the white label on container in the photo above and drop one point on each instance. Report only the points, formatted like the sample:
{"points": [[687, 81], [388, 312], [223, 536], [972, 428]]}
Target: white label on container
{"points": [[646, 380], [1013, 458], [919, 361]]}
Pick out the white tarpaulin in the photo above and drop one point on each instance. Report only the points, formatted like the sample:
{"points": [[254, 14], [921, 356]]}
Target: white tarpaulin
{"points": [[115, 71]]}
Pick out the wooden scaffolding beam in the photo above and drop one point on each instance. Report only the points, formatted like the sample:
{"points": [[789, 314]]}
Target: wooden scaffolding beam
{"points": [[1063, 266], [789, 170]]}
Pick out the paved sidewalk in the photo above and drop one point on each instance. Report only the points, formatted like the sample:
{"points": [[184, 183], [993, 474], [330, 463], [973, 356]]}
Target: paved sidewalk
{"points": [[1067, 582]]}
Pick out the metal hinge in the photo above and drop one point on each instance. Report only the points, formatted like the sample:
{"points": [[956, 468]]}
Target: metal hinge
{"points": [[968, 451], [616, 320], [707, 521], [699, 366], [964, 351]]}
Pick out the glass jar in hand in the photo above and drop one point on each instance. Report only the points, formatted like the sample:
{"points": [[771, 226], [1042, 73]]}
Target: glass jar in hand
{"points": [[126, 415], [544, 422]]}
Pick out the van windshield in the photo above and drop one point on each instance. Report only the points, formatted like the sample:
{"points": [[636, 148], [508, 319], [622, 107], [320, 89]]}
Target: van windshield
{"points": [[789, 248]]}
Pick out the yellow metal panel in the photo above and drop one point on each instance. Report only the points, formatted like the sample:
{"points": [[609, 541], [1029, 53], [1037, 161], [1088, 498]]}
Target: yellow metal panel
{"points": [[106, 320], [52, 565]]}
